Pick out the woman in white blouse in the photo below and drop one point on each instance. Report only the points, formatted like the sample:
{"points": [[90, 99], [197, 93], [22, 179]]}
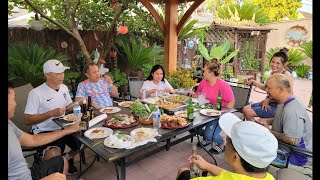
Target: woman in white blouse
{"points": [[156, 84]]}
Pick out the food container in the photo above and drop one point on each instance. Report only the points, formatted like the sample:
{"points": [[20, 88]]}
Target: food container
{"points": [[144, 120]]}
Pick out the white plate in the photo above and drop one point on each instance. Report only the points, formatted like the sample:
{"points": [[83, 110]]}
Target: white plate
{"points": [[104, 132], [110, 110], [182, 114], [113, 141], [125, 103], [143, 133], [68, 117], [210, 112]]}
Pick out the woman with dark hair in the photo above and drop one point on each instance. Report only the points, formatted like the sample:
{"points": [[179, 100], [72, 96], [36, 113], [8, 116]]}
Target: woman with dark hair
{"points": [[156, 84], [210, 86], [267, 107]]}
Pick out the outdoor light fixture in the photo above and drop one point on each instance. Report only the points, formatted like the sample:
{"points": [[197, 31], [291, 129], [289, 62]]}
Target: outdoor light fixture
{"points": [[123, 29], [37, 25]]}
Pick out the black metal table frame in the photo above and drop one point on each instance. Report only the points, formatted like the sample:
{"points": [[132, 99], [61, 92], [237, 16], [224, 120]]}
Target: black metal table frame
{"points": [[121, 161]]}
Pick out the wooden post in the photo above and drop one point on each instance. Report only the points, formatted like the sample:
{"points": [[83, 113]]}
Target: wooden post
{"points": [[235, 59], [171, 36]]}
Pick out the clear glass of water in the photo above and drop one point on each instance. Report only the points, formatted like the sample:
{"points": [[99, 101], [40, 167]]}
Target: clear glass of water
{"points": [[201, 98]]}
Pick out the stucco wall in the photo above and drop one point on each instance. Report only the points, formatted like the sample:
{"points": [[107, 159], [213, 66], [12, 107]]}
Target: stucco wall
{"points": [[276, 38]]}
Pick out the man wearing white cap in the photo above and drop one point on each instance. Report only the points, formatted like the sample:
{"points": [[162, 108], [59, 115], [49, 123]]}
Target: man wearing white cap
{"points": [[250, 148], [47, 101]]}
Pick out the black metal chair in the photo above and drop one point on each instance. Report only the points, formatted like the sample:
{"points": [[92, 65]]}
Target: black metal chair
{"points": [[135, 85]]}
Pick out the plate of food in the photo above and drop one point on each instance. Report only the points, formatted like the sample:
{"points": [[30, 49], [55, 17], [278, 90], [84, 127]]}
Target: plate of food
{"points": [[120, 141], [98, 132], [173, 122], [125, 103], [168, 105], [210, 112], [68, 117], [179, 98], [182, 114], [110, 110], [121, 121], [143, 133]]}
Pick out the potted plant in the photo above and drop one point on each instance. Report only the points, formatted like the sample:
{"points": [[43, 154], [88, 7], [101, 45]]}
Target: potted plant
{"points": [[218, 52], [136, 55], [182, 79]]}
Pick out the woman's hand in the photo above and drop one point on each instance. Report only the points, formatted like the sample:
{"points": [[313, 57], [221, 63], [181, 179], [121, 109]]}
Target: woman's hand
{"points": [[265, 104]]}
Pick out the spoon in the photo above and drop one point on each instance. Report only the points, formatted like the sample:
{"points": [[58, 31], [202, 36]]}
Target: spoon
{"points": [[147, 107]]}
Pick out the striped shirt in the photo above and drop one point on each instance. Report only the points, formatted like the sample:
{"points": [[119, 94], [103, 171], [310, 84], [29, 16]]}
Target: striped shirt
{"points": [[99, 92]]}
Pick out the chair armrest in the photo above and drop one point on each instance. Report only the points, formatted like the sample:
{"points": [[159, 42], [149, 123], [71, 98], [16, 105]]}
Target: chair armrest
{"points": [[297, 149]]}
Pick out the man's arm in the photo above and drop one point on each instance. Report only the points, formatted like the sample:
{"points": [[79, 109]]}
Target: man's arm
{"points": [[28, 140], [31, 119], [286, 139]]}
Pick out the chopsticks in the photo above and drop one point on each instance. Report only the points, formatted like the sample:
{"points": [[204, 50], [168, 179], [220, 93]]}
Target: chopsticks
{"points": [[67, 124]]}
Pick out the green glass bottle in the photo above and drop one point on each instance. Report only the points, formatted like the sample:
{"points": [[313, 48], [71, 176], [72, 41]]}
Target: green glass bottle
{"points": [[190, 110], [219, 101]]}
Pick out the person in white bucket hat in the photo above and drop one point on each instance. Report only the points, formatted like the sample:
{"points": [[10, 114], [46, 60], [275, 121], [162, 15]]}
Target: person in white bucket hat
{"points": [[250, 148]]}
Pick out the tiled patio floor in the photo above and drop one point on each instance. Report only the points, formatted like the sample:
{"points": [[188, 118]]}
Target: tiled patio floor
{"points": [[164, 165]]}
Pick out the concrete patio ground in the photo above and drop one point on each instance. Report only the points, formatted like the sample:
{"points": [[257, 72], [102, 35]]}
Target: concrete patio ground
{"points": [[164, 165]]}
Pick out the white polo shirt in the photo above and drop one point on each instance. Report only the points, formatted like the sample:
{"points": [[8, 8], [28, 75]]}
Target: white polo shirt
{"points": [[43, 99]]}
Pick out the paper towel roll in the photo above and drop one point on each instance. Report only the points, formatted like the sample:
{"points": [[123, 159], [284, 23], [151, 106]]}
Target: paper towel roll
{"points": [[97, 119]]}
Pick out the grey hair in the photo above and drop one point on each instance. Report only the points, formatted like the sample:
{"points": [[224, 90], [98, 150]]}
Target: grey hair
{"points": [[281, 81]]}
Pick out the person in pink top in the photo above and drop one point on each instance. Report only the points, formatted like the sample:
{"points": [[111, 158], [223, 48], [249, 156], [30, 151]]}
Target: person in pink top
{"points": [[210, 86]]}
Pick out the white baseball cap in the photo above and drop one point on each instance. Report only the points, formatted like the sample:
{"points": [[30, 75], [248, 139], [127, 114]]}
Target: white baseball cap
{"points": [[54, 66], [252, 141]]}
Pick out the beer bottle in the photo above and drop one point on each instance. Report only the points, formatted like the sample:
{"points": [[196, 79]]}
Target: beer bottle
{"points": [[90, 108], [190, 110], [85, 117], [219, 101], [194, 169]]}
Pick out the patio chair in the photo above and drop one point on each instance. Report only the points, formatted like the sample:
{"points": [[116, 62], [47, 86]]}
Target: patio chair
{"points": [[135, 85], [306, 169]]}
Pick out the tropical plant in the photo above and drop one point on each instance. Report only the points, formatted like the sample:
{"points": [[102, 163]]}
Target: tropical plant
{"points": [[247, 14], [247, 55], [302, 70], [181, 78], [25, 63], [279, 9], [218, 52], [294, 56], [306, 48], [135, 54], [189, 30], [119, 78]]}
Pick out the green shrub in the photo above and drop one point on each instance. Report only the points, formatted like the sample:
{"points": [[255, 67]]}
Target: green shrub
{"points": [[25, 63], [119, 78], [302, 70]]}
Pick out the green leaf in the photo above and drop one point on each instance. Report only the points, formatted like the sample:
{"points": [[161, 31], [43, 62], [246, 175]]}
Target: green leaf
{"points": [[231, 55], [203, 51], [217, 53]]}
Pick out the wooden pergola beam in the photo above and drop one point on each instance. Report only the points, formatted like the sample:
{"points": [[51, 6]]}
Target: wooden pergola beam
{"points": [[166, 1], [155, 14]]}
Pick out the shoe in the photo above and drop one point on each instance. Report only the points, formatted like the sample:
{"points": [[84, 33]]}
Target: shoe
{"points": [[216, 150], [204, 143], [72, 169]]}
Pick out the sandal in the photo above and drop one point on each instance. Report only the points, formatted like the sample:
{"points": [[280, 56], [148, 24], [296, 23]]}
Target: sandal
{"points": [[204, 143], [217, 150]]}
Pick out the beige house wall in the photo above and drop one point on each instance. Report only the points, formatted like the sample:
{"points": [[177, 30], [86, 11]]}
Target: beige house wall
{"points": [[276, 37]]}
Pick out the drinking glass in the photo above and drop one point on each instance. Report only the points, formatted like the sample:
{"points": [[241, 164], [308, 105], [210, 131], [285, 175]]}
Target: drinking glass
{"points": [[201, 98]]}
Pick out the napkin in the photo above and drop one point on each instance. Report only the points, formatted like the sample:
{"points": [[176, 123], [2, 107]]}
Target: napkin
{"points": [[97, 119]]}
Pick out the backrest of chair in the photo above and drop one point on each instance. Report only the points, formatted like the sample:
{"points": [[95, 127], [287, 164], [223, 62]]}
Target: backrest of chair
{"points": [[241, 94], [134, 86], [22, 93]]}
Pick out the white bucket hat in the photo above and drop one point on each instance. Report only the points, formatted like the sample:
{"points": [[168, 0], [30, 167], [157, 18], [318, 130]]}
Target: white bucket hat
{"points": [[54, 66], [252, 141]]}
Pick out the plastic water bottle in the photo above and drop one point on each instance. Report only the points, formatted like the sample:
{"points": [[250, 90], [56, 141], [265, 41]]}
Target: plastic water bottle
{"points": [[76, 112], [156, 118]]}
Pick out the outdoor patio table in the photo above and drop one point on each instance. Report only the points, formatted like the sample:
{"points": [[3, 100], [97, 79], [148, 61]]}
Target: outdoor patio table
{"points": [[120, 156]]}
